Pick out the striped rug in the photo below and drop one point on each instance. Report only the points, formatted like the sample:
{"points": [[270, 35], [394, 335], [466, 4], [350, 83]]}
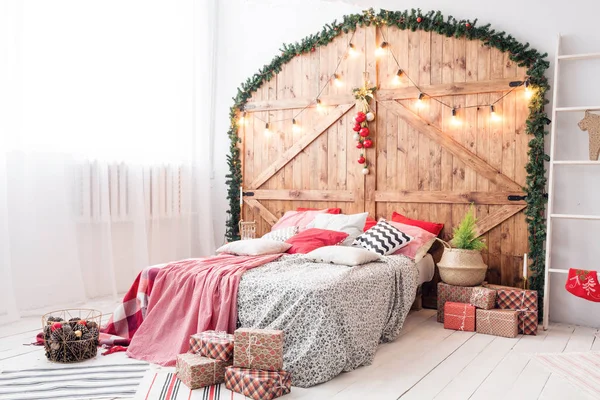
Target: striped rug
{"points": [[73, 381], [159, 385], [582, 370]]}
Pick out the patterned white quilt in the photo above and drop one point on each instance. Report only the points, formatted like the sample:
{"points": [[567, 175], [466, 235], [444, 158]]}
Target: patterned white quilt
{"points": [[333, 316]]}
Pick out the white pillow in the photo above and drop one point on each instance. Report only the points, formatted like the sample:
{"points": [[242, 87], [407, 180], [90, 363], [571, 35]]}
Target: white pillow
{"points": [[281, 235], [341, 255], [352, 224], [254, 247]]}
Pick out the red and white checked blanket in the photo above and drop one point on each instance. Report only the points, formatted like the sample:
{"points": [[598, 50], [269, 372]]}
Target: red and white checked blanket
{"points": [[128, 315]]}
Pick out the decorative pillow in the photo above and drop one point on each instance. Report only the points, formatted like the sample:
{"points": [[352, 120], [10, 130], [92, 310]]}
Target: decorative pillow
{"points": [[342, 255], [296, 218], [383, 239], [281, 235], [254, 247], [352, 224], [313, 238], [371, 222], [432, 227], [328, 210], [421, 243]]}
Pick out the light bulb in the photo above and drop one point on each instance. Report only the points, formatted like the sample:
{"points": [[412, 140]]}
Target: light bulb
{"points": [[319, 105], [420, 102], [455, 120], [242, 119], [352, 52], [267, 130], [396, 79], [295, 126], [379, 51], [528, 91], [493, 114], [337, 80]]}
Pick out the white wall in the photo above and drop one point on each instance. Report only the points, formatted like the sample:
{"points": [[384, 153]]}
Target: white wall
{"points": [[251, 32]]}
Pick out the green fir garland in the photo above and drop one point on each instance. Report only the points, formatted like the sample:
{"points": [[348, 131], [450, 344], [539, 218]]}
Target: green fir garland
{"points": [[432, 21]]}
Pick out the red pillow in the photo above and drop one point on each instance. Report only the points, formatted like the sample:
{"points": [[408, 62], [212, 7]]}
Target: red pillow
{"points": [[369, 224], [428, 226], [313, 238], [329, 210]]}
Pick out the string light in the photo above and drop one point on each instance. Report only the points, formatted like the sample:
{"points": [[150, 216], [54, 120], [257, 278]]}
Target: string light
{"points": [[319, 104], [352, 52], [337, 80], [493, 114], [455, 120], [528, 91], [379, 51], [420, 102], [267, 130], [295, 126], [398, 76], [242, 119]]}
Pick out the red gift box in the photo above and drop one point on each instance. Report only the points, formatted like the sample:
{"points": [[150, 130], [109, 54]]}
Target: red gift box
{"points": [[213, 344], [459, 316], [256, 384], [196, 371], [258, 349], [524, 301], [457, 294]]}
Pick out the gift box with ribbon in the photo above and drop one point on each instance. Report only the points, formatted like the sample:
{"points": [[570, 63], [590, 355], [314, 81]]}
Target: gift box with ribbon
{"points": [[196, 371], [523, 301], [497, 322], [213, 344], [483, 298], [256, 384], [457, 294], [459, 316], [258, 349]]}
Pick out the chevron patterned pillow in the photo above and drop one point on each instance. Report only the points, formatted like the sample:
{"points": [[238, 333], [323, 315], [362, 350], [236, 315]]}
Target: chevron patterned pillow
{"points": [[383, 239]]}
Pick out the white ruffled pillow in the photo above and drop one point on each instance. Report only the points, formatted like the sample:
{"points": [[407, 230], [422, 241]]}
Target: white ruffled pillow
{"points": [[341, 255], [281, 235], [254, 247]]}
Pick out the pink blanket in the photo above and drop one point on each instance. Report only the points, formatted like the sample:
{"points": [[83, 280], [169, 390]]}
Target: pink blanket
{"points": [[188, 297]]}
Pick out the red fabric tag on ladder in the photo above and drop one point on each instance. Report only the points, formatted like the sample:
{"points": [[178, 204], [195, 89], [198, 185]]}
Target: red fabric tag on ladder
{"points": [[584, 284]]}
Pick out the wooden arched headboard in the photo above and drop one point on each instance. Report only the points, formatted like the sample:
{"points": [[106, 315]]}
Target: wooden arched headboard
{"points": [[423, 164]]}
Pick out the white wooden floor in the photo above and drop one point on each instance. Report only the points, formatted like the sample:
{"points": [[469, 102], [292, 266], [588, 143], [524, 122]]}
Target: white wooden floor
{"points": [[425, 362]]}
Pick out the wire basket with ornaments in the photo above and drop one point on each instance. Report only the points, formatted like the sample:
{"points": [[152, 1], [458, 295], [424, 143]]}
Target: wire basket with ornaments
{"points": [[247, 230], [72, 335]]}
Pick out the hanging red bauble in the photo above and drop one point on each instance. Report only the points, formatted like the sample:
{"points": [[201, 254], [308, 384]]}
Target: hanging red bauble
{"points": [[419, 19], [360, 117], [367, 143], [359, 145], [312, 49], [356, 127], [364, 132], [468, 25], [361, 160]]}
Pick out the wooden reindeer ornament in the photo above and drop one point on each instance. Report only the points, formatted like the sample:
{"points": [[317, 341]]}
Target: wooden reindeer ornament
{"points": [[591, 124]]}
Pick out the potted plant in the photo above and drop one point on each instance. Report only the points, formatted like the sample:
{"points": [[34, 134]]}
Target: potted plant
{"points": [[462, 264]]}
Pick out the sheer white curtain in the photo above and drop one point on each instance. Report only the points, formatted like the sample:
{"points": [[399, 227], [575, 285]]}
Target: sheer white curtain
{"points": [[104, 148]]}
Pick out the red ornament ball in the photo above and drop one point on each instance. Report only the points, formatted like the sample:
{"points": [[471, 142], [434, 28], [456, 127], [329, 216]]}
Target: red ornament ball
{"points": [[312, 49], [367, 143], [361, 114], [55, 326], [81, 322], [419, 19], [359, 145], [364, 132], [361, 160], [468, 25], [360, 117], [356, 127]]}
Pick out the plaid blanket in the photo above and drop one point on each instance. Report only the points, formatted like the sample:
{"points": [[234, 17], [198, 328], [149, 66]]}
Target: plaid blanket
{"points": [[128, 315]]}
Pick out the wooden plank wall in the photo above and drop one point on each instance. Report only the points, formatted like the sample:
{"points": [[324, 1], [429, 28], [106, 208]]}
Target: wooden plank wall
{"points": [[403, 158]]}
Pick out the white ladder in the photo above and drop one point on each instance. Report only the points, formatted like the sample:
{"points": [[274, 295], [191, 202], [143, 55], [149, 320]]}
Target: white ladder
{"points": [[550, 212]]}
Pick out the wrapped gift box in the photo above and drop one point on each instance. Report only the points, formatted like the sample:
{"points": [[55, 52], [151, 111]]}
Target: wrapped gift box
{"points": [[256, 384], [457, 294], [196, 371], [258, 349], [483, 298], [212, 344], [524, 301], [497, 322], [459, 316]]}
